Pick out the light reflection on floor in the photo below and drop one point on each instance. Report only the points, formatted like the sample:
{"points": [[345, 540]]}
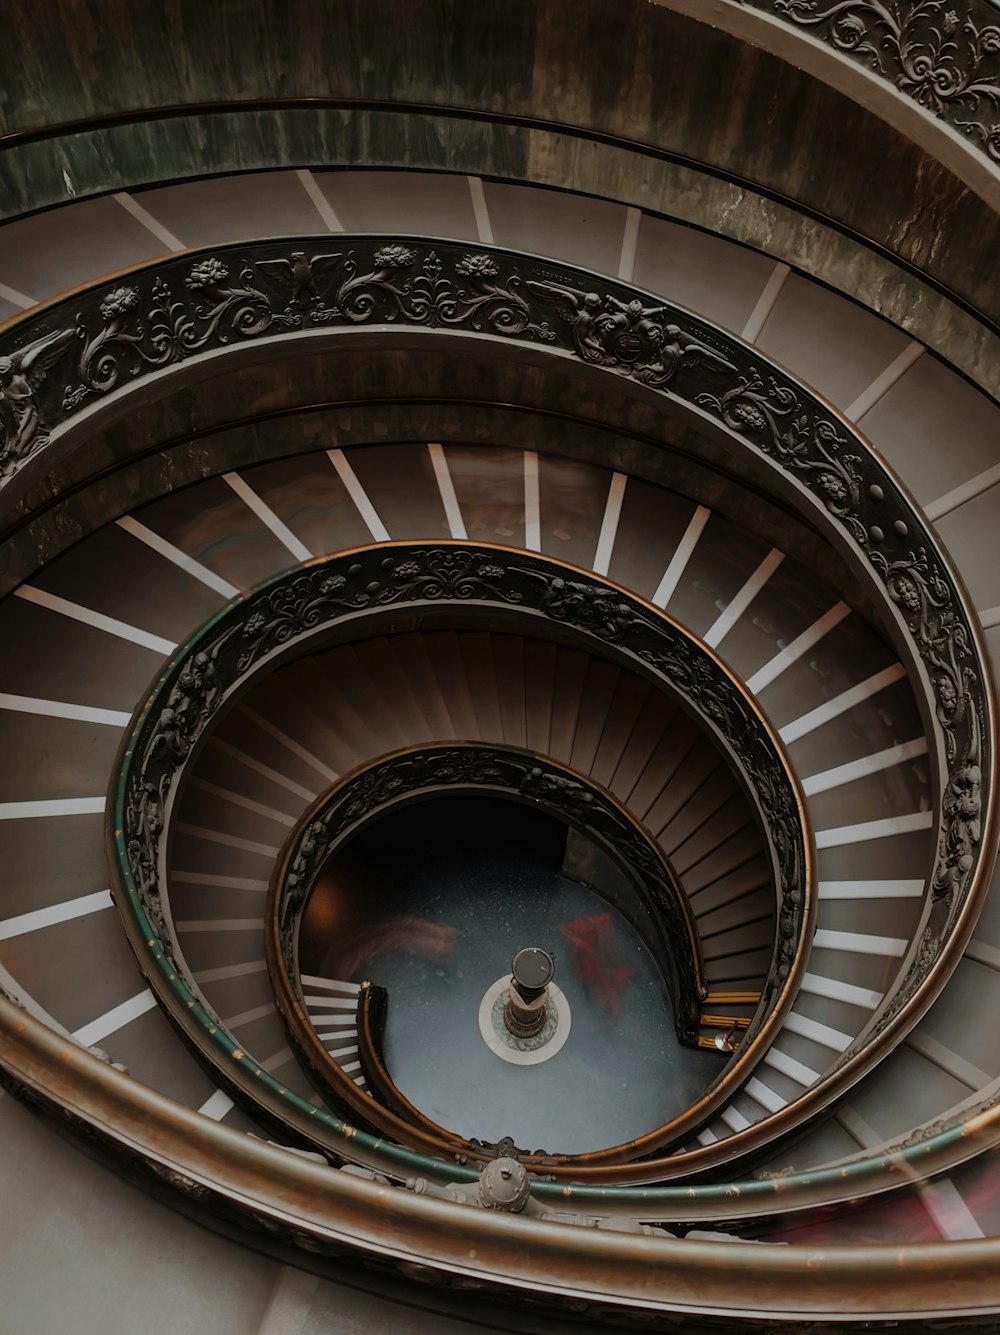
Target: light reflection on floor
{"points": [[432, 903]]}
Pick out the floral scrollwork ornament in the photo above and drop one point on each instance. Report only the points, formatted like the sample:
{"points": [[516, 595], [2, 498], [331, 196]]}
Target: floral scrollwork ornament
{"points": [[942, 56]]}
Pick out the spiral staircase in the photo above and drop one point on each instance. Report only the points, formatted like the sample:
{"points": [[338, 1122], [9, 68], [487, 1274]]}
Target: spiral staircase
{"points": [[395, 401]]}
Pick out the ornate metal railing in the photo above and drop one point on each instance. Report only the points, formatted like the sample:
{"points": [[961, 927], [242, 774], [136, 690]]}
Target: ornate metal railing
{"points": [[104, 342], [373, 1014], [161, 320], [657, 909], [300, 609], [944, 54]]}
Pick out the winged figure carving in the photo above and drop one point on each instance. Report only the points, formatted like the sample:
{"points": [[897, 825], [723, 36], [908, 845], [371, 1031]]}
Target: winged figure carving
{"points": [[21, 375], [579, 309], [680, 349], [635, 338]]}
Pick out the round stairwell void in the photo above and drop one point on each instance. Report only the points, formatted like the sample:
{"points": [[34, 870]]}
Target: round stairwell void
{"points": [[431, 902]]}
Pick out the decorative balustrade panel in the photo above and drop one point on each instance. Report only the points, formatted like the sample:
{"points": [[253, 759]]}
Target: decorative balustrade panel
{"points": [[944, 54], [104, 341], [297, 610]]}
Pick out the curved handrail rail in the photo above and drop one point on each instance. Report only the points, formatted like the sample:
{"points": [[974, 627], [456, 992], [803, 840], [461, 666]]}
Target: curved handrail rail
{"points": [[194, 306], [289, 612], [462, 767], [232, 1180], [373, 1006]]}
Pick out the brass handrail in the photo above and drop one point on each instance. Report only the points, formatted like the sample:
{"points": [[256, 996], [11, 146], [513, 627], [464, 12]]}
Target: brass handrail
{"points": [[463, 766], [229, 1180], [372, 1011], [283, 615]]}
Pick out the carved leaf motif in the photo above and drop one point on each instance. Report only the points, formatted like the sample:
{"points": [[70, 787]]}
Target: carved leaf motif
{"points": [[944, 60]]}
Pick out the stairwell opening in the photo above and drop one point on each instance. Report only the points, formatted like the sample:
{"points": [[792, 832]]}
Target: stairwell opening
{"points": [[431, 901]]}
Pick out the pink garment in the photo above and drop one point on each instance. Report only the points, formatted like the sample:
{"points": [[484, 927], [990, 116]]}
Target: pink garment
{"points": [[596, 961]]}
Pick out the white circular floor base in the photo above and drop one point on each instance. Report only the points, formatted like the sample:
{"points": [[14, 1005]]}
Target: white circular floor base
{"points": [[523, 1051]]}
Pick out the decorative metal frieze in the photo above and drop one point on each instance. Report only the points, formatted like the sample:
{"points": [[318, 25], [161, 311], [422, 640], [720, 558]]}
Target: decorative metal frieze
{"points": [[23, 371], [106, 339], [297, 605], [945, 54], [284, 616], [103, 341], [669, 930]]}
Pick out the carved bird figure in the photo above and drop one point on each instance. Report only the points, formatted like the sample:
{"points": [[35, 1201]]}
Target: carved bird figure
{"points": [[299, 274]]}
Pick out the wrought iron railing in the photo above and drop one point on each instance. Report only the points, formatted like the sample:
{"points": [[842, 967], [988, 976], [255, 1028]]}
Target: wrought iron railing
{"points": [[163, 319], [944, 54], [300, 610], [104, 342]]}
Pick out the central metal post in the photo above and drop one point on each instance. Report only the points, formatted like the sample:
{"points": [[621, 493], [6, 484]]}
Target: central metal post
{"points": [[531, 973]]}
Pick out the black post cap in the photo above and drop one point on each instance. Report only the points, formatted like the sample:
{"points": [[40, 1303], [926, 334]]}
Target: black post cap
{"points": [[532, 971]]}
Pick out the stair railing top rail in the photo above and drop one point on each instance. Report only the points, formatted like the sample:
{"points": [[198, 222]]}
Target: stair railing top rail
{"points": [[667, 927], [77, 360], [301, 609], [271, 1197]]}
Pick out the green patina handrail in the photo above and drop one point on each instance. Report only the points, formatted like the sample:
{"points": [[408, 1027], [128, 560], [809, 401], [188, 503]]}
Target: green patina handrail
{"points": [[288, 611]]}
